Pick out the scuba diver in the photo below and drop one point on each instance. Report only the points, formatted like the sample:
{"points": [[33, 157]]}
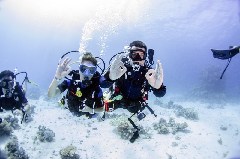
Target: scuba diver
{"points": [[133, 78], [13, 95], [226, 55], [84, 95]]}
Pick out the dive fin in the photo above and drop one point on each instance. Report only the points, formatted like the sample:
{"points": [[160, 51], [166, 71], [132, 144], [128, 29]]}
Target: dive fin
{"points": [[225, 54], [134, 137]]}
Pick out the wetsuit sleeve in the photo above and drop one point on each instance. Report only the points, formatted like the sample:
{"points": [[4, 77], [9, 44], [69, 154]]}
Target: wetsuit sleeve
{"points": [[159, 92], [105, 81], [63, 86]]}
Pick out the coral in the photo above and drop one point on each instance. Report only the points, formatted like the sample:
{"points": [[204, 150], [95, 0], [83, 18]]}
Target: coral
{"points": [[5, 129], [13, 121], [164, 127], [188, 113], [224, 128], [220, 141], [171, 122], [45, 134], [9, 124], [179, 127], [125, 129], [14, 151], [161, 127], [145, 132], [69, 152]]}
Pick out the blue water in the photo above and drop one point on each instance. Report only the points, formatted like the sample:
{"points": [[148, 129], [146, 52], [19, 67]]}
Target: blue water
{"points": [[33, 35]]}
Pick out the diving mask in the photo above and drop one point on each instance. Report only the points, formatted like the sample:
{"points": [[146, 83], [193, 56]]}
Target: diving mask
{"points": [[7, 83], [87, 73], [87, 70], [137, 54]]}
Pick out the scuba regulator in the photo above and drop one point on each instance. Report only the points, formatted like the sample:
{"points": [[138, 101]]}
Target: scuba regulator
{"points": [[149, 62], [87, 72]]}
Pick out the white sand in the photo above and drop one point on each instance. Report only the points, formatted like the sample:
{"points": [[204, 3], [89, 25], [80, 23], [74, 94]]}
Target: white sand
{"points": [[97, 140]]}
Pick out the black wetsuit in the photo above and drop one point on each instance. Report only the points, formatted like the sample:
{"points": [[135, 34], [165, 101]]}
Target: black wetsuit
{"points": [[16, 101], [91, 95], [132, 86]]}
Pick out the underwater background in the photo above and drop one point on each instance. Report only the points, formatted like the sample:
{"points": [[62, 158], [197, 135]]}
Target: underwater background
{"points": [[35, 34]]}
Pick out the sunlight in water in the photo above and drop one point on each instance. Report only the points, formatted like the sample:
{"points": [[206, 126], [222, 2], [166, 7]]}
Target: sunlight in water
{"points": [[109, 17], [52, 11], [95, 19]]}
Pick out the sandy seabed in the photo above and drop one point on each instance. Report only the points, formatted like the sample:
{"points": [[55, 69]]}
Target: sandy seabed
{"points": [[215, 135]]}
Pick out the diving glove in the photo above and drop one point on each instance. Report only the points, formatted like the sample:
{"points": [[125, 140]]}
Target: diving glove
{"points": [[155, 77], [63, 69], [117, 68]]}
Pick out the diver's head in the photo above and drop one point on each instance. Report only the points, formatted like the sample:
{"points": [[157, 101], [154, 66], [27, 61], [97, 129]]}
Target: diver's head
{"points": [[138, 52], [7, 82], [7, 79], [87, 67]]}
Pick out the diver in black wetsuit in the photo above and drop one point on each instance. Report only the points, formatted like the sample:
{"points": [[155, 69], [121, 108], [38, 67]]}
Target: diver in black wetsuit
{"points": [[12, 96], [134, 78], [84, 95]]}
